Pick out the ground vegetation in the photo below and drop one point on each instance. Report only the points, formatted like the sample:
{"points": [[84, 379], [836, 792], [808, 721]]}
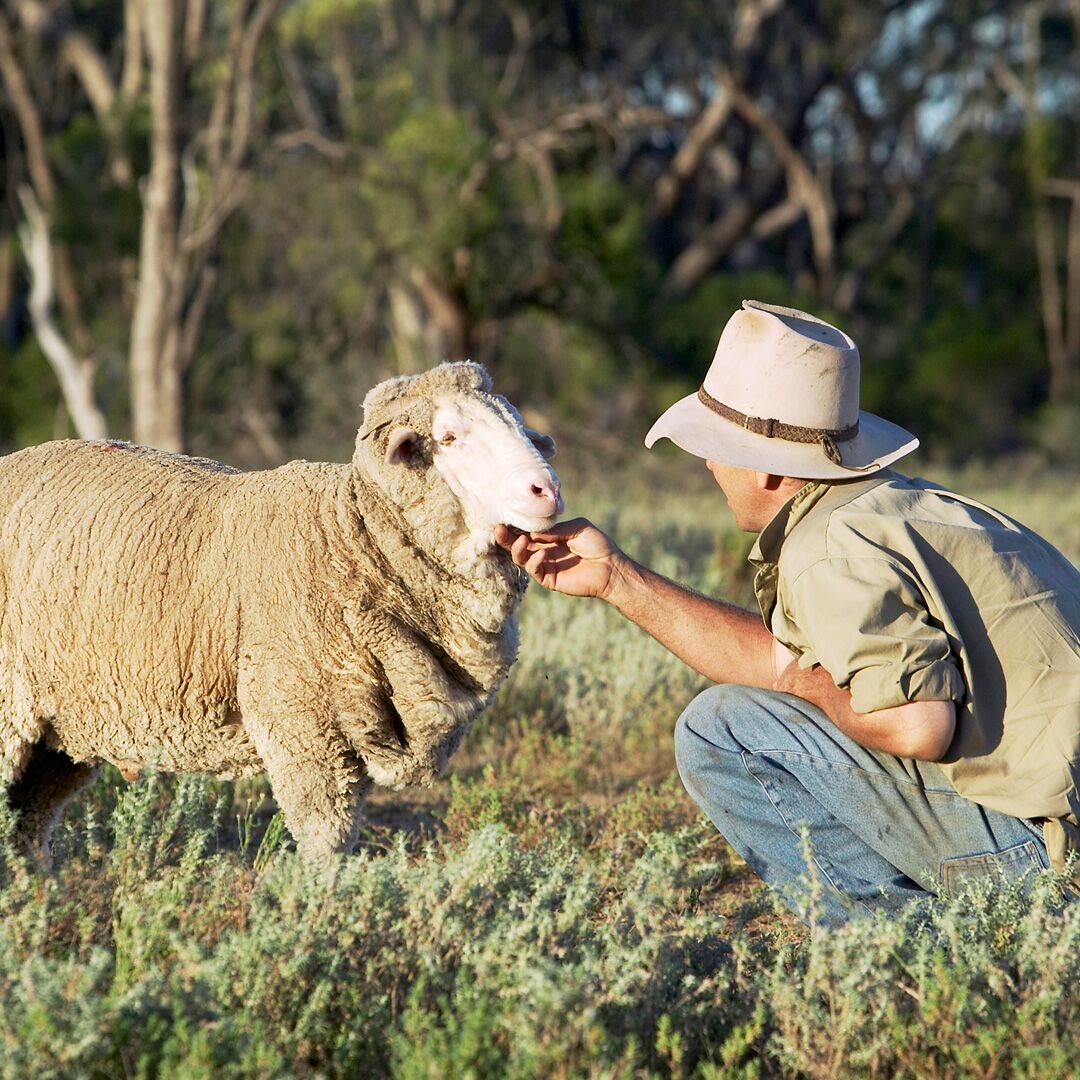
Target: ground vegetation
{"points": [[556, 906]]}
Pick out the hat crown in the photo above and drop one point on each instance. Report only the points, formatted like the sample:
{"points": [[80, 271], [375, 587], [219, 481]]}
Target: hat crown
{"points": [[783, 364]]}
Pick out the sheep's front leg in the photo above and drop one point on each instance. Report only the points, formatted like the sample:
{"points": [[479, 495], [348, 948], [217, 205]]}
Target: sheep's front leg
{"points": [[317, 779]]}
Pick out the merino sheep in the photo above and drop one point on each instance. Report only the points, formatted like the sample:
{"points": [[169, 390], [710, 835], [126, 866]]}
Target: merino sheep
{"points": [[330, 625]]}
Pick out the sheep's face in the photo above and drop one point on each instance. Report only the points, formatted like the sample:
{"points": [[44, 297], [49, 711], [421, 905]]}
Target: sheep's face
{"points": [[444, 435], [494, 464]]}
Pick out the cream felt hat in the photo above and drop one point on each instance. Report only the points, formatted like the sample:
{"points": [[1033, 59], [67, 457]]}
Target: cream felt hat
{"points": [[782, 396]]}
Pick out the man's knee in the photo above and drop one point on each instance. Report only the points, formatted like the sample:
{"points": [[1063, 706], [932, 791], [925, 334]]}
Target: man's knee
{"points": [[732, 717], [710, 724], [713, 737]]}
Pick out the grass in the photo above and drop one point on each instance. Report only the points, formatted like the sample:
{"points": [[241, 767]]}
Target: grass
{"points": [[555, 907]]}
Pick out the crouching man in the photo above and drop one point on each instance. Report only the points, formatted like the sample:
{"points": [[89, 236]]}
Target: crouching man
{"points": [[912, 696]]}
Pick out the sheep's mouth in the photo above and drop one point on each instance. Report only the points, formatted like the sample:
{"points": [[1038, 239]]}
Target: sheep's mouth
{"points": [[534, 522]]}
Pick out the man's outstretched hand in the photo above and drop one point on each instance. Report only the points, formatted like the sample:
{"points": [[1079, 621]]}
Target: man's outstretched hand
{"points": [[723, 642], [572, 557]]}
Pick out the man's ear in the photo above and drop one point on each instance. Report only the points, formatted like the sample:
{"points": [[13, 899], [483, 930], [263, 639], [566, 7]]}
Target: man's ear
{"points": [[402, 445], [768, 481]]}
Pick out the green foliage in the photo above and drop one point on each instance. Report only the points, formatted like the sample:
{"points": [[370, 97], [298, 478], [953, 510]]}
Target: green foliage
{"points": [[589, 372], [1055, 431], [602, 238], [972, 379], [438, 178], [29, 397], [690, 326], [491, 959], [311, 19], [413, 186], [458, 951], [567, 913], [971, 985]]}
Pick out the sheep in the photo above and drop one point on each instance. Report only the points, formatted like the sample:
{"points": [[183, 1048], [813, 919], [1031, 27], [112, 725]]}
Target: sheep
{"points": [[331, 625]]}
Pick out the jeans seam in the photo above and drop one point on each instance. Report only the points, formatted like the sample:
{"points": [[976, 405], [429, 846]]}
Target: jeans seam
{"points": [[745, 754]]}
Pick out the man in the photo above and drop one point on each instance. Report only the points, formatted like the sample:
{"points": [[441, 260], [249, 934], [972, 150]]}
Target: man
{"points": [[912, 696]]}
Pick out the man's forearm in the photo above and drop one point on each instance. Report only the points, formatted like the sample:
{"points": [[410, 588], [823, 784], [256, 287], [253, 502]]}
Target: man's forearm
{"points": [[721, 641], [729, 644], [918, 729]]}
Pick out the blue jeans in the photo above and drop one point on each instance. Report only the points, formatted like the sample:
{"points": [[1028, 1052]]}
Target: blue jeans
{"points": [[883, 830]]}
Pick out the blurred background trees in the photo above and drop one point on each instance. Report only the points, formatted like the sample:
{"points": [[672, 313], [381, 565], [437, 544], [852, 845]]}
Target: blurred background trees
{"points": [[222, 221]]}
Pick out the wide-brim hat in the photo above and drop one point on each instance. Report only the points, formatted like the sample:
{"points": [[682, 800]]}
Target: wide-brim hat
{"points": [[782, 396]]}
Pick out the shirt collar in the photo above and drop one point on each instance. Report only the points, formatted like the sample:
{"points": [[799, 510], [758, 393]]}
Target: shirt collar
{"points": [[765, 554], [766, 548]]}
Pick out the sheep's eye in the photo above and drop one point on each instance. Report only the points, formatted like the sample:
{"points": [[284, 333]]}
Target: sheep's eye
{"points": [[448, 438]]}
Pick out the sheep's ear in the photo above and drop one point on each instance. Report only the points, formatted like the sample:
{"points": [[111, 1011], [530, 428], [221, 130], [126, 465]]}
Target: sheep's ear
{"points": [[544, 443], [378, 399], [402, 446]]}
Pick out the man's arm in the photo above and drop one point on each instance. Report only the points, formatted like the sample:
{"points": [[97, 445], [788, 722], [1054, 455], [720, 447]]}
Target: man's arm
{"points": [[721, 641], [917, 729]]}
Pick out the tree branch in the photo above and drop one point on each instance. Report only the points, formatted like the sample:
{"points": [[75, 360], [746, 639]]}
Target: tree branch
{"points": [[802, 183], [713, 242], [229, 131], [132, 75], [328, 148], [515, 63], [296, 86], [76, 50], [35, 146], [75, 376], [33, 131], [690, 155]]}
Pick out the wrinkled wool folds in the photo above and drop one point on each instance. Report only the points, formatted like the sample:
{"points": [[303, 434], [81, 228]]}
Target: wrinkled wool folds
{"points": [[313, 621]]}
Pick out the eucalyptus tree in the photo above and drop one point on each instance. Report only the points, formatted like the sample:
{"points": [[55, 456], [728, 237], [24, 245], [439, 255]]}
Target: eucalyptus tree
{"points": [[162, 95]]}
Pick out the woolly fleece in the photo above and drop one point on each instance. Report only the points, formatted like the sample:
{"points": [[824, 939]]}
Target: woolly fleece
{"points": [[331, 625]]}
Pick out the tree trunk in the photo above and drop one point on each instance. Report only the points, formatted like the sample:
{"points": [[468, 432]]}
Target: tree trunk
{"points": [[1058, 306], [156, 391]]}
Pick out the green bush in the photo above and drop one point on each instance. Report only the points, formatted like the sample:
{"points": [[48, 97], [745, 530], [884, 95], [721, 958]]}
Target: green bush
{"points": [[567, 912]]}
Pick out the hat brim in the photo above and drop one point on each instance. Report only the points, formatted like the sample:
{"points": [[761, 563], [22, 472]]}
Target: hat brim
{"points": [[701, 432]]}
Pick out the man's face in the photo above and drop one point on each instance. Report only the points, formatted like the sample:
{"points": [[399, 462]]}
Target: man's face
{"points": [[750, 503]]}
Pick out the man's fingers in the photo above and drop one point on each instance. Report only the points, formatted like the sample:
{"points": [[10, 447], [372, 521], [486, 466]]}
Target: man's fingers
{"points": [[505, 535], [545, 555], [535, 563], [545, 566], [520, 549], [562, 530], [525, 546]]}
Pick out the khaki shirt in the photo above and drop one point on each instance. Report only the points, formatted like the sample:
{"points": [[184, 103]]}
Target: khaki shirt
{"points": [[904, 591]]}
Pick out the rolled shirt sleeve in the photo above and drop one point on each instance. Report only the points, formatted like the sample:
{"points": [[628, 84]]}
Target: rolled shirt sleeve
{"points": [[866, 621]]}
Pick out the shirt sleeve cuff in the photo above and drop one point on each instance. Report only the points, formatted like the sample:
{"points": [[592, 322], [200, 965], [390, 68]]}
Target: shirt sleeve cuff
{"points": [[887, 686]]}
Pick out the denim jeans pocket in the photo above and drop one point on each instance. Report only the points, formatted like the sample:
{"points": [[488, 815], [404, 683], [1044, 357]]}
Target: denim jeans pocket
{"points": [[1009, 864]]}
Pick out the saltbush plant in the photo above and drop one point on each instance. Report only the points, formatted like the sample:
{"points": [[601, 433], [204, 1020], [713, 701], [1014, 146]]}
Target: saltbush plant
{"points": [[561, 909]]}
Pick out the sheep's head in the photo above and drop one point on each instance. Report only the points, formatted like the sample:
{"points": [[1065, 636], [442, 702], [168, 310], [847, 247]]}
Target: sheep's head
{"points": [[445, 429]]}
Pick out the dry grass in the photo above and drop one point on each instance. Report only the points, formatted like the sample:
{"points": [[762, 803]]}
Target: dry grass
{"points": [[555, 906]]}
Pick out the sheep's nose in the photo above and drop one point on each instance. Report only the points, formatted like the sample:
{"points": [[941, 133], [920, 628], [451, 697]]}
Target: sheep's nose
{"points": [[546, 491]]}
